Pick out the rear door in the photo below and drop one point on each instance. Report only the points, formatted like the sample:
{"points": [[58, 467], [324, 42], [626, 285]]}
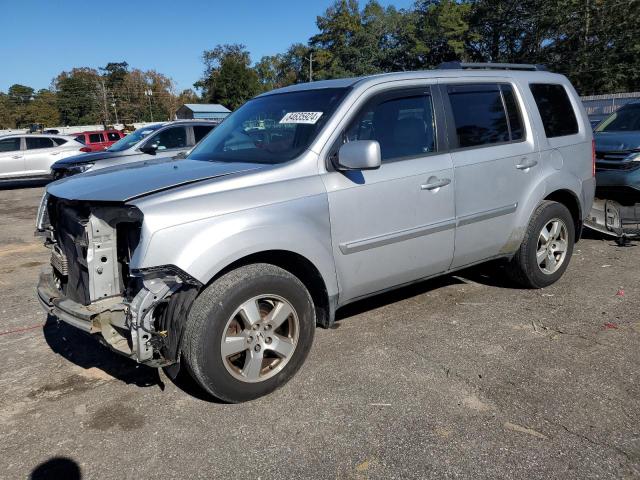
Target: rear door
{"points": [[495, 157], [40, 154], [11, 158], [395, 224]]}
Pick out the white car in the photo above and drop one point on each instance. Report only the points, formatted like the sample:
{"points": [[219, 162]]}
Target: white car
{"points": [[31, 156]]}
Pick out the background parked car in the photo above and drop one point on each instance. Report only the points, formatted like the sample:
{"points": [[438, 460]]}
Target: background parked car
{"points": [[153, 141], [616, 210], [99, 140], [31, 156]]}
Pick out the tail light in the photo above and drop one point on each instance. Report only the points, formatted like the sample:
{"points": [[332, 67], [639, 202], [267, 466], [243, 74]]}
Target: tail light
{"points": [[85, 149], [593, 157]]}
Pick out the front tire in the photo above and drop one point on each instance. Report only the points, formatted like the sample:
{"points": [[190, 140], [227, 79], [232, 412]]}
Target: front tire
{"points": [[546, 249], [249, 332]]}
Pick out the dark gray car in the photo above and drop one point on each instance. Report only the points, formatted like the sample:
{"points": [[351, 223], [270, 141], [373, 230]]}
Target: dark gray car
{"points": [[616, 209], [152, 141]]}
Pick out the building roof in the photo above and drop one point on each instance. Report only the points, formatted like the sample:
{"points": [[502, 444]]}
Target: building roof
{"points": [[207, 107]]}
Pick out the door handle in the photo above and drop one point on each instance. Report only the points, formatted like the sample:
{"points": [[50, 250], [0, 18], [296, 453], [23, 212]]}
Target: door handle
{"points": [[16, 156], [435, 184], [526, 164]]}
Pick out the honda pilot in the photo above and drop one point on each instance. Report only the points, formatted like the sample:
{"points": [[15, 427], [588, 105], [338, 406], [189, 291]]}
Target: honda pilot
{"points": [[308, 198]]}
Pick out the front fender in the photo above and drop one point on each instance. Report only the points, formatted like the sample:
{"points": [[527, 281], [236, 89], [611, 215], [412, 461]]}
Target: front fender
{"points": [[204, 247]]}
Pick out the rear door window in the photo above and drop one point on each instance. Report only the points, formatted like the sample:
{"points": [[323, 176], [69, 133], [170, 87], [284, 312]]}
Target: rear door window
{"points": [[96, 138], [556, 111], [59, 141], [10, 144], [402, 125], [480, 114], [80, 138], [34, 143], [200, 131]]}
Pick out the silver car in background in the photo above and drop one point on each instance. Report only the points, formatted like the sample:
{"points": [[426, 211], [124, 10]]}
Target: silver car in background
{"points": [[311, 197], [30, 156], [160, 140]]}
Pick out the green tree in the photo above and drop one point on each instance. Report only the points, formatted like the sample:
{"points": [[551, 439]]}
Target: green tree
{"points": [[228, 78], [79, 98], [6, 112], [20, 96], [43, 109]]}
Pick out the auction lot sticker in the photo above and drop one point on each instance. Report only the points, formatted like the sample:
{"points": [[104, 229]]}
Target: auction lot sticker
{"points": [[301, 117]]}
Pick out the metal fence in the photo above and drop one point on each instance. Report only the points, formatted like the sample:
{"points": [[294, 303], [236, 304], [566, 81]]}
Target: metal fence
{"points": [[599, 107]]}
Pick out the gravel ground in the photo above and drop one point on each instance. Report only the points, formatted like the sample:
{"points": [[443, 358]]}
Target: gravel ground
{"points": [[461, 376]]}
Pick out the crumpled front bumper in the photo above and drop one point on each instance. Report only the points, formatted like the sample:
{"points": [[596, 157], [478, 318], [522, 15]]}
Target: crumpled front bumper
{"points": [[612, 218], [107, 319]]}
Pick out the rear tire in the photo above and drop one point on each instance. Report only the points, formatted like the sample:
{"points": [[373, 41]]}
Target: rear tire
{"points": [[249, 332], [546, 249]]}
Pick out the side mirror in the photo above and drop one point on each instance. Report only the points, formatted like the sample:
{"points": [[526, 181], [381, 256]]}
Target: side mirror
{"points": [[149, 149], [359, 155]]}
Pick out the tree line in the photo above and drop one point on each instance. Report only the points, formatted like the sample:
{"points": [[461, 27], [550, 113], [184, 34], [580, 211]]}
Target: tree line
{"points": [[596, 43], [86, 96]]}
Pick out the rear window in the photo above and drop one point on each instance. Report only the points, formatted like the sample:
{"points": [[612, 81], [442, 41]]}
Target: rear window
{"points": [[113, 136], [96, 138], [485, 114], [200, 131], [38, 142], [555, 109]]}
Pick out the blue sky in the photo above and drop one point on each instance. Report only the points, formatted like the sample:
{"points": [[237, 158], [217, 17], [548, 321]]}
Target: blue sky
{"points": [[41, 38]]}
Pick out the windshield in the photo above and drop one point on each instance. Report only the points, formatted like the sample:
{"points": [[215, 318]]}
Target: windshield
{"points": [[270, 129], [627, 119], [133, 138]]}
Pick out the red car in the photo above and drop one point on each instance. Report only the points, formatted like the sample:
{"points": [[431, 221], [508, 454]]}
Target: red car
{"points": [[99, 140]]}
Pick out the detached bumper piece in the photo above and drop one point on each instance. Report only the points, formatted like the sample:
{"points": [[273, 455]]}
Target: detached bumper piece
{"points": [[613, 218], [106, 317]]}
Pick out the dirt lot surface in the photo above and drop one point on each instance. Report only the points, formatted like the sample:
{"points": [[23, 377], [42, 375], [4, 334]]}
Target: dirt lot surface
{"points": [[459, 377]]}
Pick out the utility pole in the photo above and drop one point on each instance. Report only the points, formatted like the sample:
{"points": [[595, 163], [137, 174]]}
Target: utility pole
{"points": [[113, 104], [310, 60], [104, 99], [149, 93]]}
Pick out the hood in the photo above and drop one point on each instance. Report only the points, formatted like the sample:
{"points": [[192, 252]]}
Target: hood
{"points": [[89, 158], [122, 183], [617, 141]]}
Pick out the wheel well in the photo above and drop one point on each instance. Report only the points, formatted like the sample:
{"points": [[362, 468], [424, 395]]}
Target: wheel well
{"points": [[569, 200], [299, 266]]}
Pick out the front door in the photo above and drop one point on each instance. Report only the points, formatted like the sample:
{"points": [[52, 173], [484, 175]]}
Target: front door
{"points": [[11, 158], [395, 224]]}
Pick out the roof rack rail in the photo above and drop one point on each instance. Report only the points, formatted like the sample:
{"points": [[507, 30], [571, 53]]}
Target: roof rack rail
{"points": [[491, 66]]}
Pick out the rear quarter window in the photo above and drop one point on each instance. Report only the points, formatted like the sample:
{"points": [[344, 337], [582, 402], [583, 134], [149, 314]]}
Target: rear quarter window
{"points": [[556, 111]]}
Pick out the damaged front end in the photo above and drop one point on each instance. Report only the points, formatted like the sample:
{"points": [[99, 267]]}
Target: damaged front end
{"points": [[92, 285], [616, 208]]}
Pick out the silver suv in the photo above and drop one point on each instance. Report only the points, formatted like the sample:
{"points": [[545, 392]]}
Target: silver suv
{"points": [[308, 198]]}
